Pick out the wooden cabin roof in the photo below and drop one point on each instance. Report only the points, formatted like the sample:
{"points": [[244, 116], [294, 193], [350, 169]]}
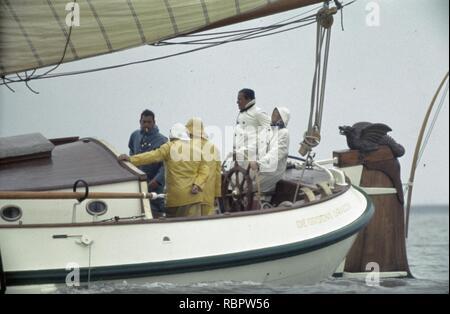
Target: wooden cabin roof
{"points": [[86, 159]]}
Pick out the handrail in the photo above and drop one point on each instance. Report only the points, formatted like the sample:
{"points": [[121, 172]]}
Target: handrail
{"points": [[417, 152], [46, 195]]}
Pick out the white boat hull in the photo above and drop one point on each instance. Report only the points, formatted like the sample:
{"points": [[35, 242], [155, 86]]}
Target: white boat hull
{"points": [[292, 246], [303, 269]]}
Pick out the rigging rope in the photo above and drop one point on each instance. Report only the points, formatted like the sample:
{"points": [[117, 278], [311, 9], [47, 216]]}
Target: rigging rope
{"points": [[243, 35], [90, 266], [251, 36], [45, 74], [65, 46], [323, 38], [6, 84], [279, 24]]}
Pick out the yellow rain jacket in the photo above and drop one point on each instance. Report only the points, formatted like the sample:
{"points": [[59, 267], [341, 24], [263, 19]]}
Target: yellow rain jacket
{"points": [[213, 187], [184, 167], [211, 155]]}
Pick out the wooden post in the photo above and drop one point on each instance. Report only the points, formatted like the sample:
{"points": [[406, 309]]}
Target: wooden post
{"points": [[383, 240]]}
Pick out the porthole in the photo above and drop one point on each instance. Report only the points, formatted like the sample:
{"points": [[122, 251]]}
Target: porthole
{"points": [[96, 208], [11, 213]]}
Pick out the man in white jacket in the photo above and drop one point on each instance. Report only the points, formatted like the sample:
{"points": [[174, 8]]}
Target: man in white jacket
{"points": [[252, 132], [272, 165]]}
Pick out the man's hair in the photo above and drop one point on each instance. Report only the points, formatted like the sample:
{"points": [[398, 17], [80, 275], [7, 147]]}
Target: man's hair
{"points": [[248, 93], [147, 113]]}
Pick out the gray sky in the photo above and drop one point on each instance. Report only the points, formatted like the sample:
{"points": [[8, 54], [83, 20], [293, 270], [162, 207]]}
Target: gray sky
{"points": [[383, 74]]}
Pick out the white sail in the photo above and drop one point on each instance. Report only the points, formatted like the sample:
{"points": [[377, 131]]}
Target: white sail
{"points": [[34, 33]]}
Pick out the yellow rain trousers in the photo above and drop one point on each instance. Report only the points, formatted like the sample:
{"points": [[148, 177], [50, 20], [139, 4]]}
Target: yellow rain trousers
{"points": [[183, 168], [213, 186], [211, 155]]}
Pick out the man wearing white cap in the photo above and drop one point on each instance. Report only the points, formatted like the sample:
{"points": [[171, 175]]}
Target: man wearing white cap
{"points": [[185, 175]]}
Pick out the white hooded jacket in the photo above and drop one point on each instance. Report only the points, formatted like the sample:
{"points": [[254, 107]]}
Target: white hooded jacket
{"points": [[273, 164]]}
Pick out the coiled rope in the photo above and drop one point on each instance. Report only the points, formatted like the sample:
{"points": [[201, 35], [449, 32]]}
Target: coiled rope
{"points": [[312, 136]]}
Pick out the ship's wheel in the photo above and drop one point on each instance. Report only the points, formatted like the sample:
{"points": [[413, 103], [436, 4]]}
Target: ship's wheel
{"points": [[237, 189]]}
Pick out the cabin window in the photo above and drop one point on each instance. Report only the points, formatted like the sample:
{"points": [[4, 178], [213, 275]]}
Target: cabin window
{"points": [[11, 213], [96, 208]]}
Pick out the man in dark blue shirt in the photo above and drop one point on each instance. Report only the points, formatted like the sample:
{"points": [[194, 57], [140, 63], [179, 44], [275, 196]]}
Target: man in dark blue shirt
{"points": [[146, 139]]}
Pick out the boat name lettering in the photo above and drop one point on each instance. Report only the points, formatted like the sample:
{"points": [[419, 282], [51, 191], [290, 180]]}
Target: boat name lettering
{"points": [[320, 219]]}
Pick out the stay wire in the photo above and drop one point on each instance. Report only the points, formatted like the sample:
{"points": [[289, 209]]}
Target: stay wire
{"points": [[254, 28], [234, 33], [247, 34], [245, 39], [433, 123]]}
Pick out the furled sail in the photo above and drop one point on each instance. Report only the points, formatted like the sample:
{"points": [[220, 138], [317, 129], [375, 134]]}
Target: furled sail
{"points": [[37, 33]]}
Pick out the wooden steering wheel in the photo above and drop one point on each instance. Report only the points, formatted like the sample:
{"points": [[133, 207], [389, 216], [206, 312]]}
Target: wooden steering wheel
{"points": [[237, 189]]}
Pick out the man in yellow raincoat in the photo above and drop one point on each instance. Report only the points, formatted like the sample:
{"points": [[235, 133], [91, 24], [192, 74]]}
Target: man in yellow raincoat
{"points": [[186, 172], [210, 154]]}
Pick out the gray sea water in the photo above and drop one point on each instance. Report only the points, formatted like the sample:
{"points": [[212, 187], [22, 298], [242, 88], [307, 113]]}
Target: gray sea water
{"points": [[428, 254]]}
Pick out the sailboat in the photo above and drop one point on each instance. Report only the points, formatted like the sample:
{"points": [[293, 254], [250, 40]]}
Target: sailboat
{"points": [[71, 214]]}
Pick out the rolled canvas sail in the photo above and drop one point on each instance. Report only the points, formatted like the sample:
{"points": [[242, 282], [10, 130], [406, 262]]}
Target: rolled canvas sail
{"points": [[34, 33]]}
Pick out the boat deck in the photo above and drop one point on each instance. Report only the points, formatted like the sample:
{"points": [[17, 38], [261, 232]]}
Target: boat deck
{"points": [[87, 159]]}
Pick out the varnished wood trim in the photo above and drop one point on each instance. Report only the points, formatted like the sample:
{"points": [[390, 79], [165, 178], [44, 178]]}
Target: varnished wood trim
{"points": [[142, 177], [64, 140], [47, 195], [17, 159], [69, 186], [350, 158]]}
